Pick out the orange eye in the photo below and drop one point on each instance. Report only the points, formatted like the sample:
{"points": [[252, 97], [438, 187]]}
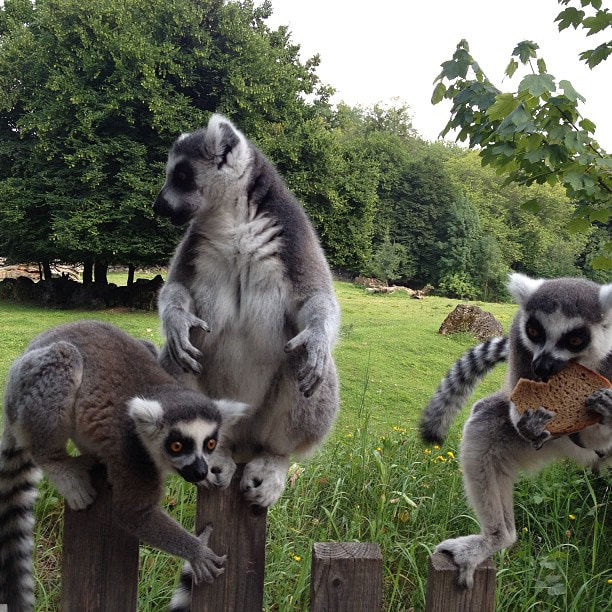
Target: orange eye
{"points": [[211, 444], [576, 341], [176, 446]]}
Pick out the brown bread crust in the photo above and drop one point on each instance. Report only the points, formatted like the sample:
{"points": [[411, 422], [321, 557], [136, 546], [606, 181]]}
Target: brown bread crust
{"points": [[564, 394]]}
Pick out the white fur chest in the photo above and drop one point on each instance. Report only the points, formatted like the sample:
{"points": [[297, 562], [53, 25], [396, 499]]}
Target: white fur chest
{"points": [[240, 277]]}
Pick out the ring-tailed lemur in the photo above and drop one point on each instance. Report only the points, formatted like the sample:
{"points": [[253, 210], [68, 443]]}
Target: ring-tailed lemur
{"points": [[248, 309], [92, 383], [559, 321]]}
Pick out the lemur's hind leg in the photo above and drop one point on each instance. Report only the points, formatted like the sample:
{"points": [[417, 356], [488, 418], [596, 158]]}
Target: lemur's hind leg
{"points": [[43, 389], [489, 471]]}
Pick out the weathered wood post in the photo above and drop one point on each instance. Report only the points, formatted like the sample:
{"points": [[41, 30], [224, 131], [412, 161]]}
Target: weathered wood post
{"points": [[100, 560], [443, 594], [239, 531], [346, 577]]}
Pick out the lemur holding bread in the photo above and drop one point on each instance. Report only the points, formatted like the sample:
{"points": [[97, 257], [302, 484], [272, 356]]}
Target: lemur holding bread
{"points": [[559, 409]]}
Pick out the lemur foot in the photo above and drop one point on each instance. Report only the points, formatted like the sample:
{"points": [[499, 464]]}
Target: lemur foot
{"points": [[467, 553], [600, 401], [221, 468], [263, 480], [532, 426], [72, 480]]}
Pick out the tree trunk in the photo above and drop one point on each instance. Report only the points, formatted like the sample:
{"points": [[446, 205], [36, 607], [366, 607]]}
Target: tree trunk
{"points": [[100, 269], [87, 272], [46, 270], [131, 271]]}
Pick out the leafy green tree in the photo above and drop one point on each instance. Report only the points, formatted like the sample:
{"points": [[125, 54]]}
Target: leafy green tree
{"points": [[92, 95], [389, 261], [522, 238], [422, 200], [535, 134]]}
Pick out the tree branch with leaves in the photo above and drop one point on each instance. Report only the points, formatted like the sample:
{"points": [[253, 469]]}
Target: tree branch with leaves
{"points": [[536, 134]]}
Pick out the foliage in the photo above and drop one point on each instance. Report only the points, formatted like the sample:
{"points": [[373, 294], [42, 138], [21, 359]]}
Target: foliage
{"points": [[93, 96], [389, 261], [535, 134]]}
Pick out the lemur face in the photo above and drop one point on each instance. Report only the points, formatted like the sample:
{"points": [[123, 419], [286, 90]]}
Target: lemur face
{"points": [[556, 340], [177, 440], [204, 167], [563, 321], [188, 446]]}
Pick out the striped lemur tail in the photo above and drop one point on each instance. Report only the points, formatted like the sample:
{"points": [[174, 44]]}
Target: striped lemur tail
{"points": [[18, 490], [457, 386], [181, 598]]}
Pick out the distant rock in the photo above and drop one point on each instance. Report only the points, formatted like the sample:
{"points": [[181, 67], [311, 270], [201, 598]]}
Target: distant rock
{"points": [[472, 319]]}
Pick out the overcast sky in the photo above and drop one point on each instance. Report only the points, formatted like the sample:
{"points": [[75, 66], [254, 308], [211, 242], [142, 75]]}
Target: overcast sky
{"points": [[380, 49]]}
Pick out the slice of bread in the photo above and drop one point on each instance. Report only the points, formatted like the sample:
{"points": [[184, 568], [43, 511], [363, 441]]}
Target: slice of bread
{"points": [[564, 394]]}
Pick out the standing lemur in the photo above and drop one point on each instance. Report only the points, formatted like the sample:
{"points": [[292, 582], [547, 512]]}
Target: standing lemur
{"points": [[558, 321], [248, 309], [92, 383]]}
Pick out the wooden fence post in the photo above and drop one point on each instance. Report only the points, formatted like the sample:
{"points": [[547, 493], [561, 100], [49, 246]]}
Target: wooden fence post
{"points": [[239, 531], [346, 577], [100, 560], [443, 594]]}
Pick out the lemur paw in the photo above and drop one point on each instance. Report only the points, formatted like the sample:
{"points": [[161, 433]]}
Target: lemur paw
{"points": [[600, 401], [207, 565], [532, 426], [316, 346], [263, 482], [221, 468], [467, 553], [179, 325], [73, 482]]}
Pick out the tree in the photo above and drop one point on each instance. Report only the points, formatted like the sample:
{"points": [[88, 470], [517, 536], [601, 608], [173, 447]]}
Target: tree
{"points": [[93, 95], [535, 134], [388, 261]]}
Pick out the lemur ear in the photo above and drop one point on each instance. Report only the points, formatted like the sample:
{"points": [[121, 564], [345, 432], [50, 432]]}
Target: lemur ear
{"points": [[605, 297], [521, 287], [224, 142], [147, 415], [231, 411]]}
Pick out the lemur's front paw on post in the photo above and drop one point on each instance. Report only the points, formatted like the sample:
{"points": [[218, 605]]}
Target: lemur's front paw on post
{"points": [[207, 565], [600, 401], [532, 426], [179, 324], [316, 346]]}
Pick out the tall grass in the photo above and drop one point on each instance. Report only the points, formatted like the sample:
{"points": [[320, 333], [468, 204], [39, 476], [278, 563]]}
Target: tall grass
{"points": [[373, 480]]}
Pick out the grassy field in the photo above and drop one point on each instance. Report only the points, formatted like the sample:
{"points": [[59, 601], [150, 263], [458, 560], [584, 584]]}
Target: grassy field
{"points": [[374, 480]]}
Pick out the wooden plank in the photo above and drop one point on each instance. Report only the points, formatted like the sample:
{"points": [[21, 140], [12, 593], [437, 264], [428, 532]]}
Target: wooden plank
{"points": [[99, 560], [443, 594], [239, 531], [346, 577]]}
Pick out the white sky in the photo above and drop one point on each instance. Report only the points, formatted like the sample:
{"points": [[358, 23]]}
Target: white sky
{"points": [[381, 49]]}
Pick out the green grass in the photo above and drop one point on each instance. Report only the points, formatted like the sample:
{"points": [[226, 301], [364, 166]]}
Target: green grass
{"points": [[373, 480]]}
